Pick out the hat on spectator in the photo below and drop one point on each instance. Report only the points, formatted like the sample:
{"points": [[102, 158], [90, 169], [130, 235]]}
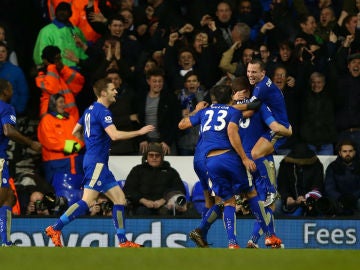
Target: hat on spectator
{"points": [[153, 147], [353, 56]]}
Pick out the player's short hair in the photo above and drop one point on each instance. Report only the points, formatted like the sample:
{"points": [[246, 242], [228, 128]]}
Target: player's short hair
{"points": [[101, 85], [222, 93], [259, 62]]}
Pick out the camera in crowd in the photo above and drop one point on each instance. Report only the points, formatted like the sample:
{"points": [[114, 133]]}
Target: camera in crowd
{"points": [[105, 206], [179, 199], [176, 201], [51, 202], [318, 206]]}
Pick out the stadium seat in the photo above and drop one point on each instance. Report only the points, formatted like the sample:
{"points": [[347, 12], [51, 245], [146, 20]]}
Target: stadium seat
{"points": [[71, 195], [197, 197], [67, 181]]}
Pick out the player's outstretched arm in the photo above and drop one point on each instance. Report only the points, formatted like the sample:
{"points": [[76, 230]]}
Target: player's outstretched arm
{"points": [[12, 133], [116, 134], [185, 123]]}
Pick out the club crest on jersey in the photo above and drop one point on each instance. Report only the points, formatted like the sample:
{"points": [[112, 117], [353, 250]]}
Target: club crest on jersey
{"points": [[268, 83], [4, 180], [108, 119]]}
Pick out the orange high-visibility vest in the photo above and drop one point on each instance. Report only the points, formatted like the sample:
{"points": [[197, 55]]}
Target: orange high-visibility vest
{"points": [[16, 210]]}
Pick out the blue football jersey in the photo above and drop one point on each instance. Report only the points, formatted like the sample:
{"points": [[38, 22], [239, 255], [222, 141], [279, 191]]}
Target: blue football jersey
{"points": [[94, 121], [7, 116], [214, 121], [271, 95], [251, 129]]}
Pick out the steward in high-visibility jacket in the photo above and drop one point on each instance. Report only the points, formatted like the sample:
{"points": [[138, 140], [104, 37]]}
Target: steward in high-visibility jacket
{"points": [[56, 78], [59, 147], [78, 18]]}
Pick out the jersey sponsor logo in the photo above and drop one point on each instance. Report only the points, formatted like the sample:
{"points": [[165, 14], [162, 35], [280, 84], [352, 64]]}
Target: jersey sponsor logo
{"points": [[108, 119]]}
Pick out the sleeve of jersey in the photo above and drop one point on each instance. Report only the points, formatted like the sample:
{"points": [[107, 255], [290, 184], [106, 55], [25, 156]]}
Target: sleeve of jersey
{"points": [[236, 115], [195, 119], [266, 115], [9, 117], [106, 118]]}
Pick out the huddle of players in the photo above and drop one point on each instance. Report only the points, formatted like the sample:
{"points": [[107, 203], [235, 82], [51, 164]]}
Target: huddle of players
{"points": [[234, 153]]}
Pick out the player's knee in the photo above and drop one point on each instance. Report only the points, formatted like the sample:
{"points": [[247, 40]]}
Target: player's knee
{"points": [[255, 154]]}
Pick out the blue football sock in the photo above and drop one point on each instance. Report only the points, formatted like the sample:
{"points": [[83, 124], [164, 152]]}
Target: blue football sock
{"points": [[208, 219], [5, 224], [271, 224], [77, 209], [262, 216], [229, 223], [118, 213], [256, 233], [267, 172]]}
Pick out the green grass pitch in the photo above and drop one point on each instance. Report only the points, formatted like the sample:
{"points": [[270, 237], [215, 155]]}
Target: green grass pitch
{"points": [[37, 258]]}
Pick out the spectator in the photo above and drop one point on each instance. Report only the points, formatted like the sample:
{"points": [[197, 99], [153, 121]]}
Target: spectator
{"points": [[349, 27], [177, 63], [57, 78], [52, 4], [130, 48], [224, 24], [61, 33], [78, 18], [286, 84], [300, 172], [60, 148], [207, 58], [125, 116], [189, 96], [317, 127], [285, 58], [16, 77], [342, 179], [150, 185], [347, 101], [161, 109], [249, 12], [45, 204], [326, 24], [229, 63], [279, 26], [12, 57], [102, 206]]}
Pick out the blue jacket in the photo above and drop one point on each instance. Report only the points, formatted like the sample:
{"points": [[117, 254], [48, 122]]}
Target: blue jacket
{"points": [[16, 77]]}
